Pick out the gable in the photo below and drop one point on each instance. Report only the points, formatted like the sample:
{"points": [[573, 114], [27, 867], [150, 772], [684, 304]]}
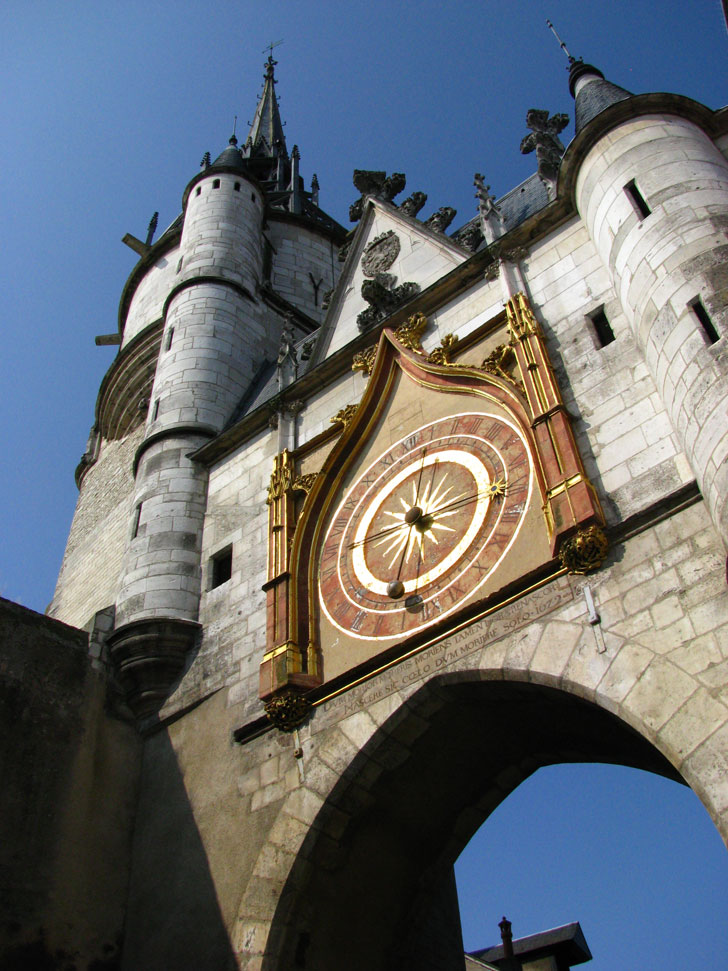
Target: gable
{"points": [[386, 242]]}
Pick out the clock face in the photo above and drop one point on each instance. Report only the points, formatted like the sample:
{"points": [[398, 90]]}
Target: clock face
{"points": [[422, 529]]}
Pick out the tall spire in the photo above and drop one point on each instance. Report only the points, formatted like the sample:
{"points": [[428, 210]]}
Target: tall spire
{"points": [[266, 137]]}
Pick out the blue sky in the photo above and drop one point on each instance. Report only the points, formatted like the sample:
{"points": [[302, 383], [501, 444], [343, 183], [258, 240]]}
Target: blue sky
{"points": [[108, 109]]}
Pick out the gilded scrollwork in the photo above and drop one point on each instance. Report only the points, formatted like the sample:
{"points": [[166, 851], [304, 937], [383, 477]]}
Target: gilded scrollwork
{"points": [[500, 363], [304, 483], [410, 332], [442, 354], [344, 415], [364, 360], [585, 551], [287, 709]]}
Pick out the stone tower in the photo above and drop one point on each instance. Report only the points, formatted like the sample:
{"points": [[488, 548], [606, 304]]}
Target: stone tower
{"points": [[248, 261]]}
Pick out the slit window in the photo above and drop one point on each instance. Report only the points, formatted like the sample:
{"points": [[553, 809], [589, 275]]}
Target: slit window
{"points": [[602, 327], [215, 183], [709, 328], [639, 203], [170, 337], [198, 190], [155, 410], [237, 187], [221, 567], [135, 521]]}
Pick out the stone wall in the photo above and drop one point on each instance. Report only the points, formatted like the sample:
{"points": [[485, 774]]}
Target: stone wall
{"points": [[89, 577], [69, 776], [299, 254]]}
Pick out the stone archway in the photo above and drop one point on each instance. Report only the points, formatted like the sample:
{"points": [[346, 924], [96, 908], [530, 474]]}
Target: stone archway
{"points": [[380, 849]]}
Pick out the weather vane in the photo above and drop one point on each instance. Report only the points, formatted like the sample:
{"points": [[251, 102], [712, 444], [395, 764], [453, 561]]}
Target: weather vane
{"points": [[270, 47]]}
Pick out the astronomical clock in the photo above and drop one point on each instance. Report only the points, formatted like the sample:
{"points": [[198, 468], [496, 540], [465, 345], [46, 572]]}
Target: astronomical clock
{"points": [[450, 489]]}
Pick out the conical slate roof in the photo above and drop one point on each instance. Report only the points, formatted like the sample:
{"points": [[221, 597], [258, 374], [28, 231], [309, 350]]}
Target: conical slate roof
{"points": [[593, 95], [231, 157]]}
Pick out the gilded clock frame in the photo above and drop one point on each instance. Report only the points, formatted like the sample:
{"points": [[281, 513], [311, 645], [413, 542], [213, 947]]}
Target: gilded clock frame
{"points": [[517, 377]]}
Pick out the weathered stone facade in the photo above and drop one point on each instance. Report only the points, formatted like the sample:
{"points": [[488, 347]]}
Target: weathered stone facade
{"points": [[259, 848]]}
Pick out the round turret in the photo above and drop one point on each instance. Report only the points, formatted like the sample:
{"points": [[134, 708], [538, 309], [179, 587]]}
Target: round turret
{"points": [[652, 189]]}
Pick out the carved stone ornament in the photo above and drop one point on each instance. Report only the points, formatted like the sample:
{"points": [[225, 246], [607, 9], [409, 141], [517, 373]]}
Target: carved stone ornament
{"points": [[584, 551], [492, 271], [380, 254], [470, 237], [412, 204], [443, 353], [383, 299], [440, 220], [377, 184], [516, 255], [287, 709], [307, 349], [364, 360], [304, 483], [545, 142], [344, 416]]}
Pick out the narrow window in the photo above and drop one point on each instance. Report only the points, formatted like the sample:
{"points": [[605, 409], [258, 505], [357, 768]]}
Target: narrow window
{"points": [[252, 197], [179, 264], [267, 259], [155, 410], [170, 336], [135, 522], [709, 328], [639, 203], [237, 187], [602, 327], [215, 183], [221, 567], [198, 190]]}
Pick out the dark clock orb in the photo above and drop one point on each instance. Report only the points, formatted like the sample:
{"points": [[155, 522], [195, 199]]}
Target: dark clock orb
{"points": [[395, 589], [412, 515]]}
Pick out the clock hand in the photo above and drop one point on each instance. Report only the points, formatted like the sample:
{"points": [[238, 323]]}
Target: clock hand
{"points": [[495, 490], [379, 535], [419, 478], [395, 588]]}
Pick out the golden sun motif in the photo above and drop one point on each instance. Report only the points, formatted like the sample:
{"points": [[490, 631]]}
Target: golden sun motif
{"points": [[421, 534], [402, 543]]}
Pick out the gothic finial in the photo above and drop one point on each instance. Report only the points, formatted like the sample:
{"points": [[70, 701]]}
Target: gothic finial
{"points": [[295, 152], [315, 189], [233, 139], [562, 45], [205, 160], [486, 202]]}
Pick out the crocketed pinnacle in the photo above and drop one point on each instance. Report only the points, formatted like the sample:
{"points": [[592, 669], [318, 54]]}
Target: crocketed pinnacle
{"points": [[266, 137], [591, 92]]}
